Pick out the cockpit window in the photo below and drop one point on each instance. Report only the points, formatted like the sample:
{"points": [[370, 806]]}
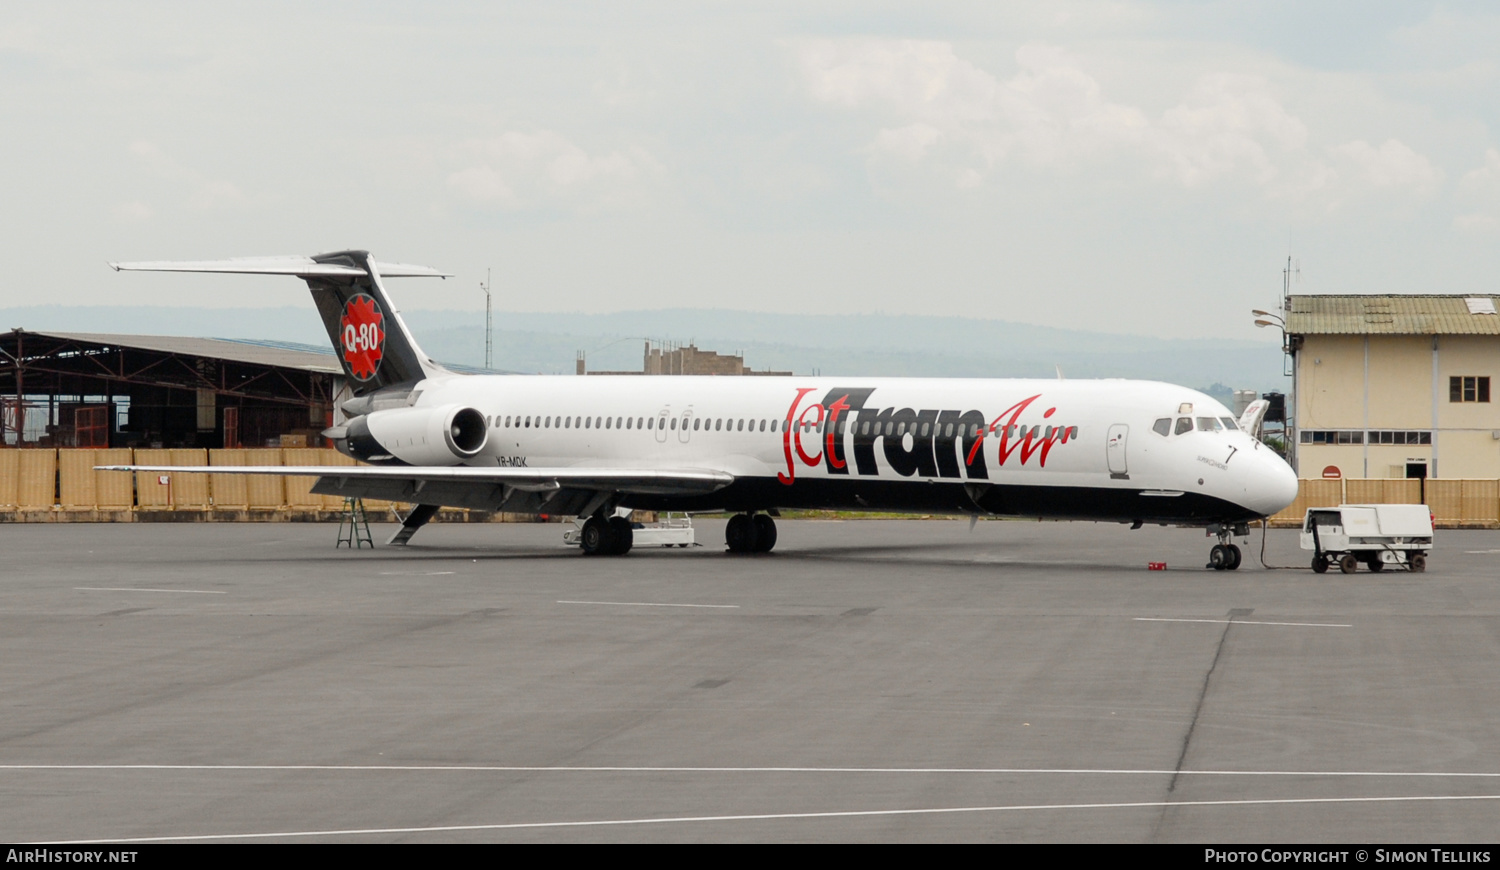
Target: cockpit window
{"points": [[1184, 424], [1208, 424], [1163, 427], [1229, 424]]}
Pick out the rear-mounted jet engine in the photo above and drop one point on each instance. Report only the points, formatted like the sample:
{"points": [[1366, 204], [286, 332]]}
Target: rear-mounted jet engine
{"points": [[417, 436]]}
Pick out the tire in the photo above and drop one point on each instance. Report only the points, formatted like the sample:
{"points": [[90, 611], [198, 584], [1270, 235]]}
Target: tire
{"points": [[739, 534], [1418, 563], [765, 533], [1218, 557], [1235, 556], [1348, 564], [622, 536], [594, 540], [1374, 563], [1319, 565]]}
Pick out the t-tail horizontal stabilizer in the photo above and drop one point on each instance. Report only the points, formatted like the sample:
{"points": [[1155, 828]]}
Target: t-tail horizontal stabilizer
{"points": [[373, 344]]}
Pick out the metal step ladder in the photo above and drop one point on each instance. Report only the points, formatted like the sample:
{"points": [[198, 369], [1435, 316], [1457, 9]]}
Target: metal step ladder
{"points": [[354, 528]]}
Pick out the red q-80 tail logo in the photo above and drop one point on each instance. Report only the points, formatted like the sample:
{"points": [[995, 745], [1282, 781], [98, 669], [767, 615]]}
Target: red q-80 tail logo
{"points": [[362, 336]]}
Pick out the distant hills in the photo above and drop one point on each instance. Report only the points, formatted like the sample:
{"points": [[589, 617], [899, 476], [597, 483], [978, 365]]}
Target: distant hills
{"points": [[850, 345]]}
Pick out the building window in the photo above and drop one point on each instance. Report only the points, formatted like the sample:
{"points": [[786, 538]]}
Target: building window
{"points": [[1468, 389], [1332, 436], [1388, 437]]}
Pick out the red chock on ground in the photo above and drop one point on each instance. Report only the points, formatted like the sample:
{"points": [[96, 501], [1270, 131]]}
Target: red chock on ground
{"points": [[1156, 566]]}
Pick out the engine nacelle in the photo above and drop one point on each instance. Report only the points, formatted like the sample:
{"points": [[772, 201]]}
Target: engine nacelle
{"points": [[445, 435]]}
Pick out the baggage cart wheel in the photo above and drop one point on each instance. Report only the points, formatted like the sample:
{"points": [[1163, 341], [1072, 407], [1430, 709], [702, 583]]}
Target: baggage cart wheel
{"points": [[1348, 564], [1418, 563]]}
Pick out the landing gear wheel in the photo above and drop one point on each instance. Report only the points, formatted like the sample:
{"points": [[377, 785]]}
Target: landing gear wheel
{"points": [[765, 533], [1348, 564], [1234, 557], [1319, 565], [622, 536], [1218, 557], [740, 535], [1418, 563], [595, 538]]}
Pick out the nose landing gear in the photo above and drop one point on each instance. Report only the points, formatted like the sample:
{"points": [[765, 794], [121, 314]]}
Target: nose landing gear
{"points": [[1225, 556]]}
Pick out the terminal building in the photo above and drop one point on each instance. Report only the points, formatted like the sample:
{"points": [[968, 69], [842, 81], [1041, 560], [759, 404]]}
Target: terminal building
{"points": [[1395, 386], [687, 359]]}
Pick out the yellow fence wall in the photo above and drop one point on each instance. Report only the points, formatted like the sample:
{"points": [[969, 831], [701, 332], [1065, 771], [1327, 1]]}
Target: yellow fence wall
{"points": [[51, 479], [80, 487], [1454, 503], [36, 479]]}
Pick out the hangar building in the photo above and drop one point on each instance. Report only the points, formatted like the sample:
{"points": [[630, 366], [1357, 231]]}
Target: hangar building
{"points": [[1396, 386], [66, 389]]}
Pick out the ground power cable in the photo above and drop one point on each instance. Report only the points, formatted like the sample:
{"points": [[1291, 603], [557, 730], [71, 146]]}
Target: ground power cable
{"points": [[1265, 526]]}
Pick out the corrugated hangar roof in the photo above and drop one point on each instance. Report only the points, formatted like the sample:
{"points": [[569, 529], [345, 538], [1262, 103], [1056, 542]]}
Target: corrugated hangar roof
{"points": [[267, 352], [1393, 315], [280, 354]]}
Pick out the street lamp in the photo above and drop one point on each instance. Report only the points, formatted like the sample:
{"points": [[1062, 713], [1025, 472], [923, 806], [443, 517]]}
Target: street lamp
{"points": [[1264, 319]]}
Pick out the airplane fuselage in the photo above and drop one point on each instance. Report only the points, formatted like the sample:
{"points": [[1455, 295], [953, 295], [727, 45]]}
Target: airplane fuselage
{"points": [[1064, 449]]}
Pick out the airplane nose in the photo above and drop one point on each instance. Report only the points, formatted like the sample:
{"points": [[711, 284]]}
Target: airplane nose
{"points": [[1272, 486]]}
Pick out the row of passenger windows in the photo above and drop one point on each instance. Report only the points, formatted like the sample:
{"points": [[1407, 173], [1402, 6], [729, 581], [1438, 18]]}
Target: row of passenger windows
{"points": [[720, 424], [1164, 427]]}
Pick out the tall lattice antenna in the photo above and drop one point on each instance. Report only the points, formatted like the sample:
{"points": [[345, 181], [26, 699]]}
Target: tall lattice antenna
{"points": [[489, 324]]}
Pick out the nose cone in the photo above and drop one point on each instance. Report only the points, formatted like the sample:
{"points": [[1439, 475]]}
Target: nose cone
{"points": [[1272, 485]]}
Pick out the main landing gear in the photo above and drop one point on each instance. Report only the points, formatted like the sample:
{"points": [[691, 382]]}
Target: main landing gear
{"points": [[1225, 556], [750, 533], [602, 536]]}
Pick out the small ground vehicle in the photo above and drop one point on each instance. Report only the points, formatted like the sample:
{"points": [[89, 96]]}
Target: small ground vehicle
{"points": [[1374, 534], [670, 530]]}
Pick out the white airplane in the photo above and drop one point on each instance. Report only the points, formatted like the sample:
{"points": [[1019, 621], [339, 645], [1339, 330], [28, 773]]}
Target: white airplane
{"points": [[1105, 450]]}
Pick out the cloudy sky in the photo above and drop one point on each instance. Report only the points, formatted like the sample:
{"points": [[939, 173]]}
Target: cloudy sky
{"points": [[1136, 167]]}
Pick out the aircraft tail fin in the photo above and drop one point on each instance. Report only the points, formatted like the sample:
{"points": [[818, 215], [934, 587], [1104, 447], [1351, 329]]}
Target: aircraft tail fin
{"points": [[371, 341], [1255, 414]]}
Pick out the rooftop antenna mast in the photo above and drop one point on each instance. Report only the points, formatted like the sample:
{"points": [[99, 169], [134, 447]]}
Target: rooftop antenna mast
{"points": [[1292, 271], [489, 328]]}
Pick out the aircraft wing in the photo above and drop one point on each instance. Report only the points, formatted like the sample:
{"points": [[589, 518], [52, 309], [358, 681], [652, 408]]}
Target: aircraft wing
{"points": [[413, 479]]}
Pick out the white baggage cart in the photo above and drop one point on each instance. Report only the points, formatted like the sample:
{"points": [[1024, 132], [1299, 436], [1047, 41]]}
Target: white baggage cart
{"points": [[1373, 534]]}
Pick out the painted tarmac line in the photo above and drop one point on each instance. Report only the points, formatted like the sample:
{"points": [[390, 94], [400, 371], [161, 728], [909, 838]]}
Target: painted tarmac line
{"points": [[489, 768], [757, 817], [1243, 622], [415, 573], [140, 589], [652, 604]]}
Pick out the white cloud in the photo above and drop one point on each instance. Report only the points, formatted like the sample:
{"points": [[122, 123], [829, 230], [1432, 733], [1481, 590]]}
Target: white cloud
{"points": [[1479, 224], [134, 211], [1481, 187], [205, 193], [1392, 166], [543, 169], [937, 108]]}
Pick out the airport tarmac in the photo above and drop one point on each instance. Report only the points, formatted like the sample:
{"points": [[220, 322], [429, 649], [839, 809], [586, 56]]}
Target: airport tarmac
{"points": [[869, 681]]}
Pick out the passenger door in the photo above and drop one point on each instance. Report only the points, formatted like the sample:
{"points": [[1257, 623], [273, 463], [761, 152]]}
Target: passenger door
{"points": [[1115, 451]]}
